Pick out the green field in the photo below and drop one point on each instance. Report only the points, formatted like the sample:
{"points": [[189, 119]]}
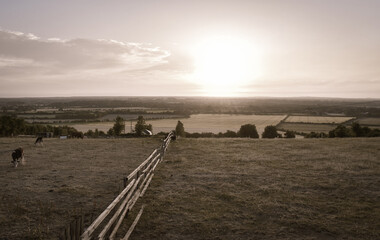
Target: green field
{"points": [[317, 119], [369, 121], [204, 189], [306, 127]]}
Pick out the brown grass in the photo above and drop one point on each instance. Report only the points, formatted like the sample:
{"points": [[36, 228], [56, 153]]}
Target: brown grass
{"points": [[265, 189], [369, 121], [317, 119], [62, 179], [307, 127], [204, 189]]}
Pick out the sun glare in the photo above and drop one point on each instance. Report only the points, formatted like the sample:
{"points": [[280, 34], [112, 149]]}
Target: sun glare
{"points": [[224, 65]]}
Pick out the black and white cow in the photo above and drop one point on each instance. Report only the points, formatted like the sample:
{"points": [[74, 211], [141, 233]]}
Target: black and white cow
{"points": [[17, 156]]}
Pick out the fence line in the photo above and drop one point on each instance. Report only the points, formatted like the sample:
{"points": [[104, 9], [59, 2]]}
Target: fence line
{"points": [[135, 186]]}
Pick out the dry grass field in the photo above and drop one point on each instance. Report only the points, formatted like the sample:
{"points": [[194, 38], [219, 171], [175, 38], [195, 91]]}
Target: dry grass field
{"points": [[317, 119], [204, 189], [265, 189], [306, 127], [369, 121], [61, 179], [214, 123]]}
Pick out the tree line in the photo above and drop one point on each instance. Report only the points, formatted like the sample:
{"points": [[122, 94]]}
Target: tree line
{"points": [[12, 126], [245, 131], [342, 131]]}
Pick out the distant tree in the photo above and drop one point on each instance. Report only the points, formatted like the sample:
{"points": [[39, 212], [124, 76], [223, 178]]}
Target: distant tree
{"points": [[290, 134], [374, 133], [179, 129], [11, 126], [270, 132], [230, 134], [316, 135], [366, 131], [119, 126], [248, 130], [342, 131], [102, 133], [111, 132], [357, 130], [331, 134], [141, 126], [89, 133], [96, 133]]}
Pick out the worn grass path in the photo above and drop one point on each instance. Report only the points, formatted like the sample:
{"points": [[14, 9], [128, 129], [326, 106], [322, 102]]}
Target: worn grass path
{"points": [[265, 189]]}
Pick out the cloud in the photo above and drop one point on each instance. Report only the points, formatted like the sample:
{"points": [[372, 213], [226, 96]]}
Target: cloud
{"points": [[70, 66], [84, 54]]}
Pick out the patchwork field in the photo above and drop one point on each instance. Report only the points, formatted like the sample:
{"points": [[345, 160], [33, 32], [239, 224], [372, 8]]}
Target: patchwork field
{"points": [[317, 119], [112, 117], [214, 123], [307, 127]]}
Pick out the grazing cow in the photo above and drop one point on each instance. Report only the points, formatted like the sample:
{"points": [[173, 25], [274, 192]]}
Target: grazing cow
{"points": [[18, 156], [39, 141]]}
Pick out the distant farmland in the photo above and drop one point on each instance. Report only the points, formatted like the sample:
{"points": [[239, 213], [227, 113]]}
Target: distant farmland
{"points": [[369, 121], [214, 123], [307, 124], [306, 127], [317, 119]]}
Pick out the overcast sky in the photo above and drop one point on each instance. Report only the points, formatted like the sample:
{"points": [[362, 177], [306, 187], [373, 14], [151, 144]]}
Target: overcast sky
{"points": [[146, 48]]}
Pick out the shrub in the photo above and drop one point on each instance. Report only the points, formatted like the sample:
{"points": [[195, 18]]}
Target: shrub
{"points": [[180, 129], [342, 131], [290, 134], [141, 126], [248, 130], [119, 126], [270, 132]]}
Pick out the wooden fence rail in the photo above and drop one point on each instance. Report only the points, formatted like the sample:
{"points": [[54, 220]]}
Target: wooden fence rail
{"points": [[135, 186]]}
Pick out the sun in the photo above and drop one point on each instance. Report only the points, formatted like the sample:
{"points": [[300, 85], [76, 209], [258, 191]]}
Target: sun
{"points": [[224, 65]]}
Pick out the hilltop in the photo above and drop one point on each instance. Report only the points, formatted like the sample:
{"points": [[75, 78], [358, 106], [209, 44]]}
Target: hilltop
{"points": [[204, 188]]}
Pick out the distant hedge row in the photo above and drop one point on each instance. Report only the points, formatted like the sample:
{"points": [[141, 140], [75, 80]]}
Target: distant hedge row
{"points": [[342, 131], [246, 131], [11, 126]]}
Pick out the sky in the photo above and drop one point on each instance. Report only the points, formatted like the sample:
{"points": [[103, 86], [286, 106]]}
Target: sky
{"points": [[279, 48]]}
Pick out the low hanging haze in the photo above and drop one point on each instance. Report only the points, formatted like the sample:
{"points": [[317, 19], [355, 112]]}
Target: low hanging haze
{"points": [[279, 48]]}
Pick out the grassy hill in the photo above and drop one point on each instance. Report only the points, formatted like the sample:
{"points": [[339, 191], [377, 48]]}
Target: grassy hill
{"points": [[62, 179], [265, 189], [204, 189]]}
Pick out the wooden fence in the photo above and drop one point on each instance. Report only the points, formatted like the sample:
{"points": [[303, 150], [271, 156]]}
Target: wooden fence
{"points": [[135, 186]]}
